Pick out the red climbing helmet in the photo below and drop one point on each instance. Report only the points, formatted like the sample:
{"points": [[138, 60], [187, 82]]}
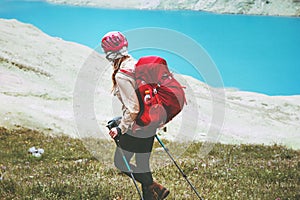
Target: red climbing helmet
{"points": [[113, 42]]}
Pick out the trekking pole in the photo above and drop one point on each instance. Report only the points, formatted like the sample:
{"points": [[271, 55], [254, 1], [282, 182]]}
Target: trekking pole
{"points": [[114, 123], [129, 169], [180, 170]]}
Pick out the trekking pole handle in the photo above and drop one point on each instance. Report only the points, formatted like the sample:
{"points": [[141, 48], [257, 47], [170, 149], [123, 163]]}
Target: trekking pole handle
{"points": [[114, 123]]}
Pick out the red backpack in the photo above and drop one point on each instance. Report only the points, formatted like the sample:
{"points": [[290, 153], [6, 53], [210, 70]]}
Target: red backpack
{"points": [[161, 97]]}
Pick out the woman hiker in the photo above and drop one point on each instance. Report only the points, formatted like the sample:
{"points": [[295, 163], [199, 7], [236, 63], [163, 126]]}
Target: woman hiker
{"points": [[133, 140]]}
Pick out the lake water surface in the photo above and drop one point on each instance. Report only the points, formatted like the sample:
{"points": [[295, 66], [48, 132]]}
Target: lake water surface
{"points": [[252, 53]]}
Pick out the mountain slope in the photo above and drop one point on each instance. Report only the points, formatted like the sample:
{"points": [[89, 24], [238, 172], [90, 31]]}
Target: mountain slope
{"points": [[39, 89]]}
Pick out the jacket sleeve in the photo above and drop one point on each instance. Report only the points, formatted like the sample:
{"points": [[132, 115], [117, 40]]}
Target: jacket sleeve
{"points": [[131, 108]]}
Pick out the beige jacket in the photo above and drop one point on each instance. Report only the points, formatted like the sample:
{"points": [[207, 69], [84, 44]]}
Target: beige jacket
{"points": [[125, 91]]}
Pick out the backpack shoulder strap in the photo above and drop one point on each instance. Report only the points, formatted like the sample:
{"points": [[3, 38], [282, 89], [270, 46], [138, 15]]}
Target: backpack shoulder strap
{"points": [[127, 72]]}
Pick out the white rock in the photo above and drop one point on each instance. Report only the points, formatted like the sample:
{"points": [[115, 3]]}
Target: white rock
{"points": [[32, 150], [41, 151], [37, 155]]}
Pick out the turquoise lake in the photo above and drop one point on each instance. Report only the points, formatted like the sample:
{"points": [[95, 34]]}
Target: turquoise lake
{"points": [[252, 53]]}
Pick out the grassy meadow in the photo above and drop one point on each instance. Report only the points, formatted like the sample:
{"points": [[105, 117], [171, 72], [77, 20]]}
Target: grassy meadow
{"points": [[67, 170]]}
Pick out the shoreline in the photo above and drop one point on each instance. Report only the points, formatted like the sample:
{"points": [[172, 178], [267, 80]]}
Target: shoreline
{"points": [[287, 8]]}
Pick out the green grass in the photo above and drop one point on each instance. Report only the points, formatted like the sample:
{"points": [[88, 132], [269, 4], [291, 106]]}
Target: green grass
{"points": [[228, 172]]}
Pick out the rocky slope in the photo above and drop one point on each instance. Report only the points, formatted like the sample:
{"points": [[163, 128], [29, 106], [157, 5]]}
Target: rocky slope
{"points": [[252, 7], [60, 87]]}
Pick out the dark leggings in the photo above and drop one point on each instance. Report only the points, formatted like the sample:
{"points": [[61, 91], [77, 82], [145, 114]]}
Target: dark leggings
{"points": [[141, 148]]}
